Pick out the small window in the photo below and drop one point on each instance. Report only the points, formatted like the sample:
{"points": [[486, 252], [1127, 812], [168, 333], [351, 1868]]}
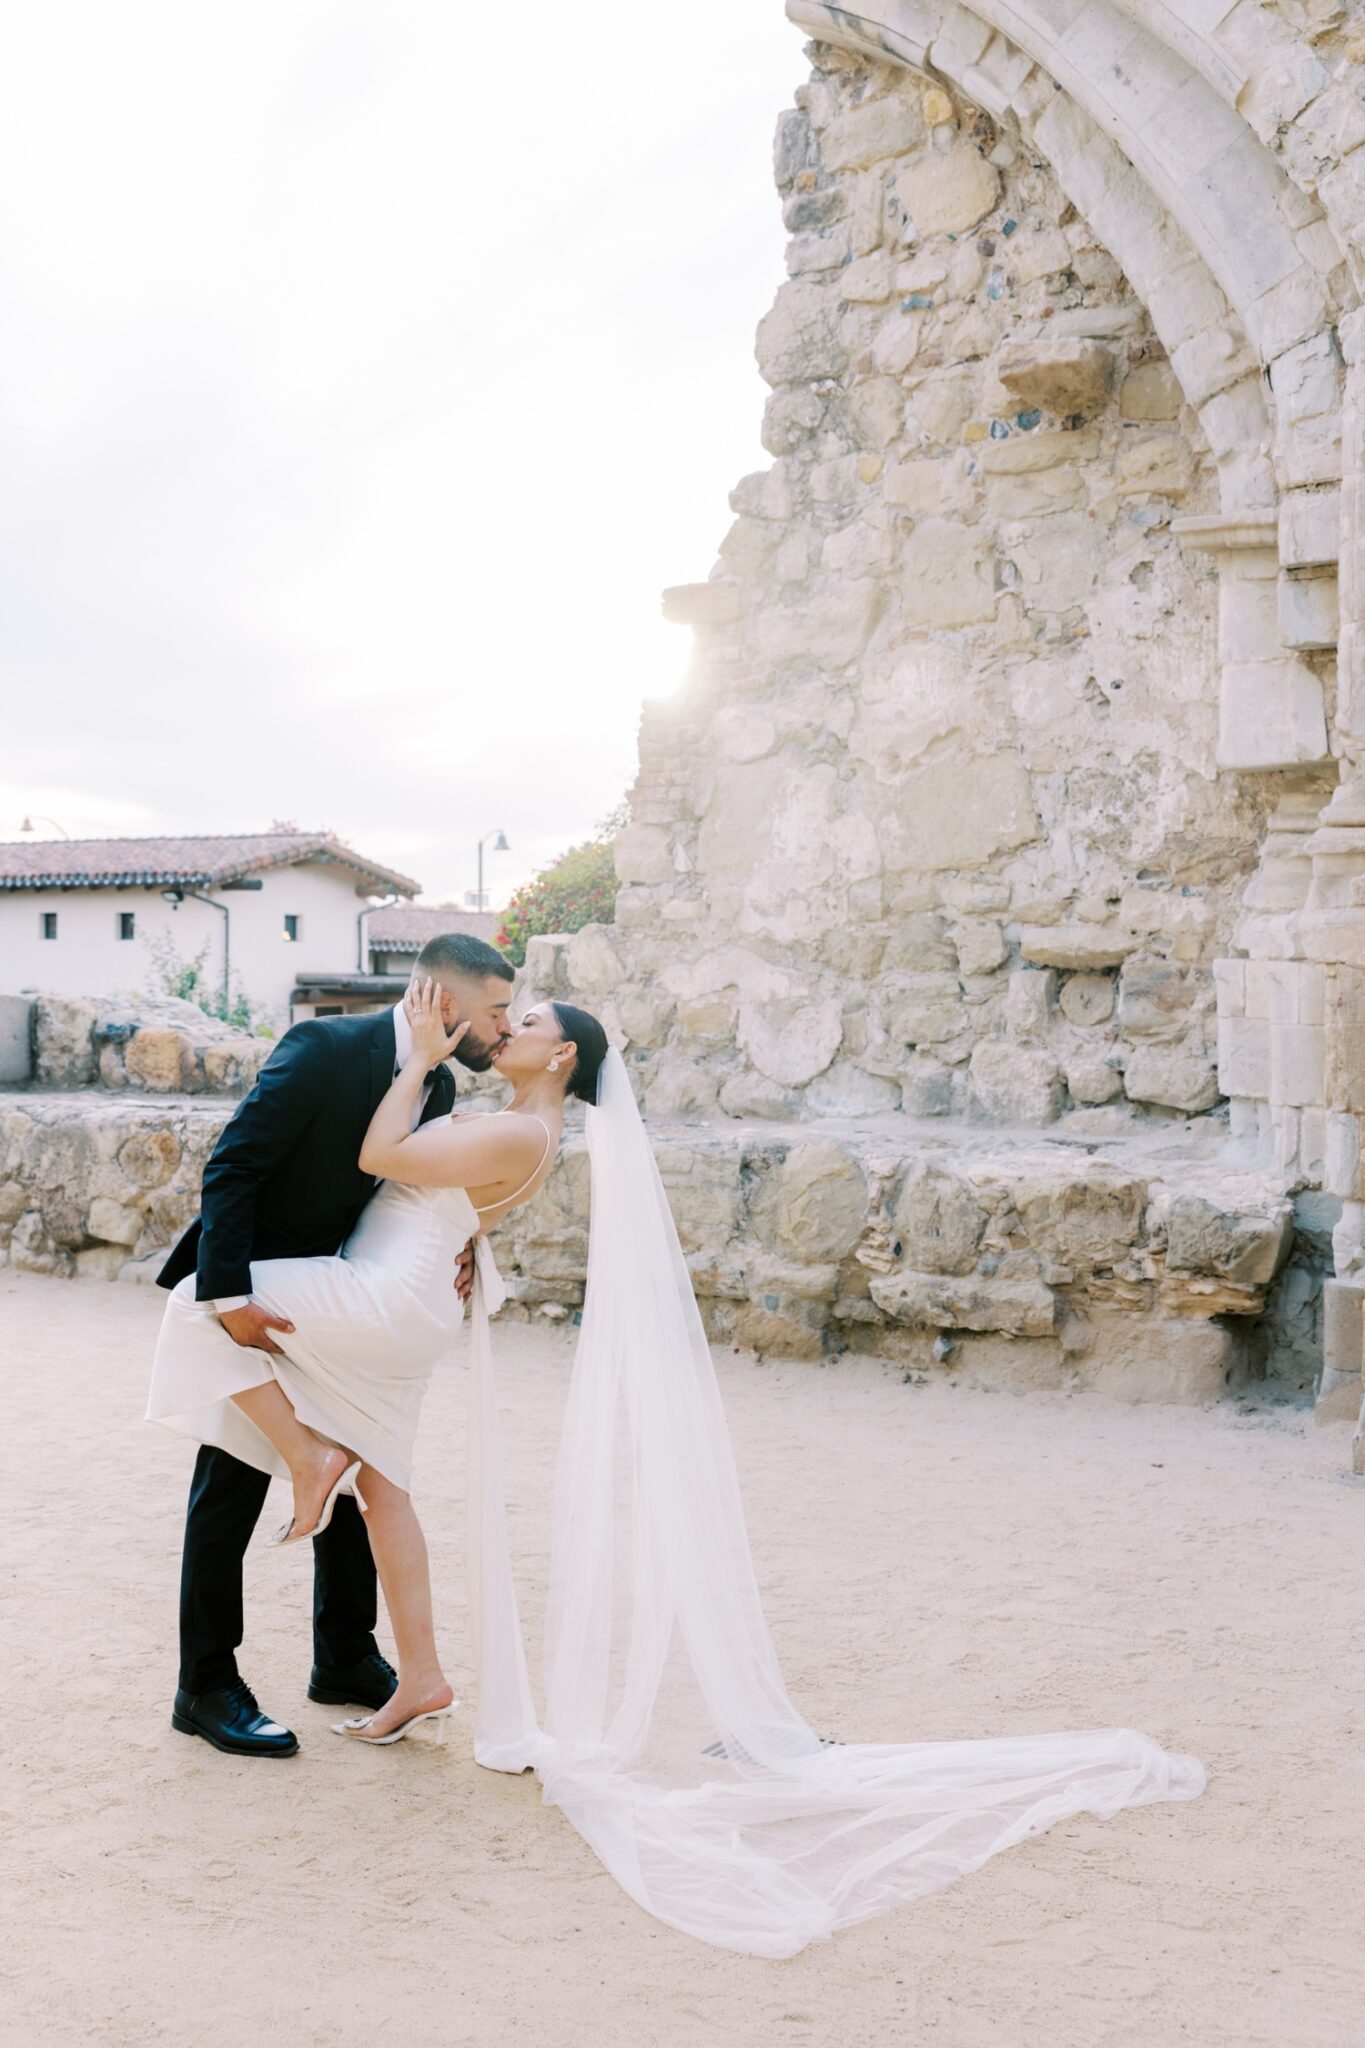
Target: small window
{"points": [[329, 1010], [49, 924], [291, 929], [127, 924]]}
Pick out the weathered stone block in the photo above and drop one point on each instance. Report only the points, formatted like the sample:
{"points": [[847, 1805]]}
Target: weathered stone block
{"points": [[948, 191], [1343, 1349], [1036, 493], [959, 812], [1160, 463], [1310, 528], [1088, 1219], [64, 1052], [897, 343], [1076, 946], [864, 135], [592, 961], [938, 1221], [848, 1090], [1055, 559], [926, 1088], [789, 1041], [753, 1095], [1066, 377], [1013, 1085], [1269, 715], [1308, 610], [1165, 1358], [113, 1222], [919, 487], [1028, 1002], [926, 1009], [680, 1091], [814, 1204], [644, 855], [1022, 452], [1247, 1248], [949, 574], [1151, 391], [980, 945], [153, 1060], [1344, 1070], [149, 1157], [1093, 1080], [1156, 1000], [798, 341], [16, 1040], [1164, 1075], [828, 631], [932, 1301], [1087, 999]]}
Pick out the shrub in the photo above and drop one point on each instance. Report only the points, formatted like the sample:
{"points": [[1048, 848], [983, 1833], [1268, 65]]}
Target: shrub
{"points": [[173, 975], [577, 889]]}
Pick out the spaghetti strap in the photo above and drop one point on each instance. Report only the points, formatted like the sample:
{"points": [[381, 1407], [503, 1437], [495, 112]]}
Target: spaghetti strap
{"points": [[506, 1200]]}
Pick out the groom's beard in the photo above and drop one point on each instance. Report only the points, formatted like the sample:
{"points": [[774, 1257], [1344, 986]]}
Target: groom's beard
{"points": [[476, 1053]]}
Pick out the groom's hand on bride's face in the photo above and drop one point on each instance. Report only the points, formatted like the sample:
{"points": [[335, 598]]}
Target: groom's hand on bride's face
{"points": [[251, 1325]]}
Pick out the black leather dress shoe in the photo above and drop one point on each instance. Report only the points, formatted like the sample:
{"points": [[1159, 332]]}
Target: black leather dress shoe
{"points": [[371, 1682], [230, 1719]]}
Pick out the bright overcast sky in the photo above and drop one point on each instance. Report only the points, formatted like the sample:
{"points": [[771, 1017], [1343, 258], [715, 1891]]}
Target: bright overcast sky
{"points": [[364, 376]]}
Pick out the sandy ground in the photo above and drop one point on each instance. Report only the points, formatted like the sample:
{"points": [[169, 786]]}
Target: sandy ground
{"points": [[936, 1562]]}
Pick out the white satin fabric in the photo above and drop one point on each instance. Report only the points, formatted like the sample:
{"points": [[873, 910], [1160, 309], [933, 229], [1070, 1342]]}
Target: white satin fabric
{"points": [[369, 1327], [668, 1737]]}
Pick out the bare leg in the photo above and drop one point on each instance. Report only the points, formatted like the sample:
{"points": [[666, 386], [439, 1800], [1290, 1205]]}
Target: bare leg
{"points": [[314, 1466], [400, 1555]]}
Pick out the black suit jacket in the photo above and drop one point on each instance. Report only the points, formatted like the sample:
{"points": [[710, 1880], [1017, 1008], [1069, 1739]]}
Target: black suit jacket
{"points": [[284, 1180]]}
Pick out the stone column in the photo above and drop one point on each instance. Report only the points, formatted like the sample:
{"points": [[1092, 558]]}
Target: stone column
{"points": [[1331, 927]]}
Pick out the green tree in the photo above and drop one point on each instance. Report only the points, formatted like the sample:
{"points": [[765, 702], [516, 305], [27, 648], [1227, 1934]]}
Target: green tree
{"points": [[576, 889]]}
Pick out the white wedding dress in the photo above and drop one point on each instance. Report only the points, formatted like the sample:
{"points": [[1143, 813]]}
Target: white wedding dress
{"points": [[369, 1327], [667, 1736]]}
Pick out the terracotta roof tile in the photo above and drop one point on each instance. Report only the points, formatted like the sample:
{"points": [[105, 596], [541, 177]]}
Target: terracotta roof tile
{"points": [[198, 862], [406, 927]]}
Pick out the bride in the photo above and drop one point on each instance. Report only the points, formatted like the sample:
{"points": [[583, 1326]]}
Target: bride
{"points": [[667, 1739]]}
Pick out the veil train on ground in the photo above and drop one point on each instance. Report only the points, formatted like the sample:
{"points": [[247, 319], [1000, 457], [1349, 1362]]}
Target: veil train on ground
{"points": [[668, 1738]]}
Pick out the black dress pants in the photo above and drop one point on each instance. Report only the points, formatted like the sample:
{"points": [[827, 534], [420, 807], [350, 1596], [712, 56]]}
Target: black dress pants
{"points": [[226, 1498]]}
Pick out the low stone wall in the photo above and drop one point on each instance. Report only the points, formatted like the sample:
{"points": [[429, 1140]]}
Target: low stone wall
{"points": [[91, 1184], [154, 1045], [1139, 1264]]}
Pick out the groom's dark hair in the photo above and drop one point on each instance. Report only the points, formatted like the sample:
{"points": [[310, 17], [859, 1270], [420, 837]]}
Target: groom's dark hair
{"points": [[458, 953]]}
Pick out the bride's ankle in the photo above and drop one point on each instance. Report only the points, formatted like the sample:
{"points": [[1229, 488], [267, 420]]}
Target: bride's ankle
{"points": [[312, 1457], [427, 1690]]}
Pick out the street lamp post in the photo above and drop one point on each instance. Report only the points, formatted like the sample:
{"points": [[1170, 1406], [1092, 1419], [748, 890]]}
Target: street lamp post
{"points": [[29, 824], [500, 845]]}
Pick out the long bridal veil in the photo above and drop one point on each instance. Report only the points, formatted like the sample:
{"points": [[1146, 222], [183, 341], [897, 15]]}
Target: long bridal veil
{"points": [[668, 1738]]}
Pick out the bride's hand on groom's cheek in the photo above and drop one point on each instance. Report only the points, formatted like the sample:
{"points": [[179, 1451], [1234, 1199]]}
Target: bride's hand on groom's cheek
{"points": [[431, 1041]]}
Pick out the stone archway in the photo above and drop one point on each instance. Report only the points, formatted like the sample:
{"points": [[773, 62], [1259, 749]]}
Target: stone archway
{"points": [[1141, 230]]}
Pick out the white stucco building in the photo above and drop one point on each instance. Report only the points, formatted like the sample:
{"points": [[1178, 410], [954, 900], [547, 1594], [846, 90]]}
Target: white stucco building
{"points": [[273, 908]]}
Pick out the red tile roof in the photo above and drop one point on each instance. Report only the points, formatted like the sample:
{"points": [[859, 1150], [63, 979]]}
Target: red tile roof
{"points": [[406, 927], [196, 863]]}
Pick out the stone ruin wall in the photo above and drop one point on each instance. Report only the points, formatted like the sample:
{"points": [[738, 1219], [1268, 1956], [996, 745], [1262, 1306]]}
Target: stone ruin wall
{"points": [[939, 825], [1020, 779]]}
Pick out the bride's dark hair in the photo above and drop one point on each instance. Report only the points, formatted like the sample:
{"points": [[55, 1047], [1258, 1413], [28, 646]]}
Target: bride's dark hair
{"points": [[587, 1034]]}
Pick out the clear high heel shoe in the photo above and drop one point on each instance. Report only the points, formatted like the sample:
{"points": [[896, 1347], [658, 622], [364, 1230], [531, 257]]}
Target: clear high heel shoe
{"points": [[355, 1728], [347, 1483]]}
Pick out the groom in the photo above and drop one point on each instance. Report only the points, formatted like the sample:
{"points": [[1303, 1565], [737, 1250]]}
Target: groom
{"points": [[284, 1182]]}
